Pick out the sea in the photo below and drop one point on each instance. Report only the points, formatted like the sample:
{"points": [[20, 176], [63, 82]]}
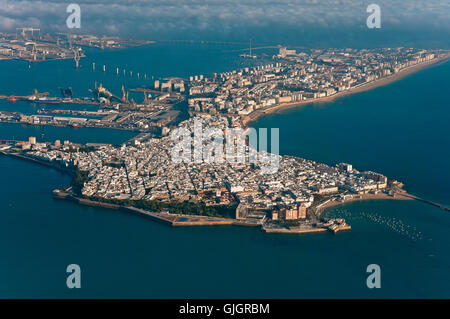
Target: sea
{"points": [[400, 130]]}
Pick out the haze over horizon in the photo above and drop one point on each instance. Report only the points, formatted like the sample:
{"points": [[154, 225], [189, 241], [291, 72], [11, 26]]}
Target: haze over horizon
{"points": [[298, 22]]}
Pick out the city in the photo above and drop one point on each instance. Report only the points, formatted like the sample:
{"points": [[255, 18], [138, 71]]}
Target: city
{"points": [[141, 173]]}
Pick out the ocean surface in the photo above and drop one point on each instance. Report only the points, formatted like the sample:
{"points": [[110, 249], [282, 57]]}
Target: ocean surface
{"points": [[399, 130]]}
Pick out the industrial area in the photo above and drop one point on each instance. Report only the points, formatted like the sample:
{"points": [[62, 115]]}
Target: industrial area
{"points": [[28, 44]]}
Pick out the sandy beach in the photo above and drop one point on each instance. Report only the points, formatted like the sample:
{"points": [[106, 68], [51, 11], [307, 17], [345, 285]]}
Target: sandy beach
{"points": [[365, 197], [360, 88]]}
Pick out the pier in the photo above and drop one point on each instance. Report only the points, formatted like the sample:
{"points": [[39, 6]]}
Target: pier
{"points": [[50, 100], [429, 202]]}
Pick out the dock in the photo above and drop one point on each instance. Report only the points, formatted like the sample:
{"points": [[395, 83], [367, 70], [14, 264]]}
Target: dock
{"points": [[49, 100]]}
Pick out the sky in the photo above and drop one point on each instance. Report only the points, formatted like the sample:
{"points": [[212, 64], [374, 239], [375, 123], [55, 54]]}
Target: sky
{"points": [[316, 22]]}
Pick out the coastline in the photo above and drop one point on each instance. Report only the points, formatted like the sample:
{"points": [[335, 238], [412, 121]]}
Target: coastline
{"points": [[365, 197], [382, 196], [183, 220], [202, 221], [357, 89]]}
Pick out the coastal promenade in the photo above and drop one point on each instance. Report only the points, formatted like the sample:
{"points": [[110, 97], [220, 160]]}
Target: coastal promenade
{"points": [[307, 230], [182, 220]]}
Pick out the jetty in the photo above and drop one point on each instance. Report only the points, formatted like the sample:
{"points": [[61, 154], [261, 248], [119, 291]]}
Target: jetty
{"points": [[429, 202]]}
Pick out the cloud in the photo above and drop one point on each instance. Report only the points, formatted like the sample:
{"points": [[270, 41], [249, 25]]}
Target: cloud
{"points": [[153, 19]]}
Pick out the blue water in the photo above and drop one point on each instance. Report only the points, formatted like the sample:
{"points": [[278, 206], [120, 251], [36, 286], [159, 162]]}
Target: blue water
{"points": [[156, 60], [398, 130], [43, 133]]}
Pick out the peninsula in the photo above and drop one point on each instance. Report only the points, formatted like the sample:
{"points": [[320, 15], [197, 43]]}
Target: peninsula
{"points": [[142, 176]]}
